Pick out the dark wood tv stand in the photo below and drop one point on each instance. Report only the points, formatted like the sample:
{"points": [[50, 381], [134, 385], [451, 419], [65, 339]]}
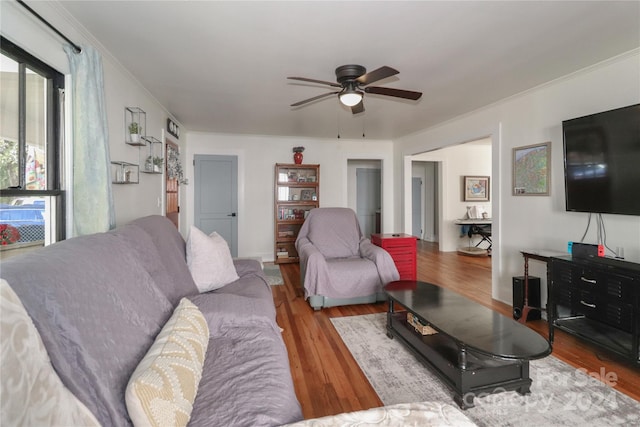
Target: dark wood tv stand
{"points": [[596, 299]]}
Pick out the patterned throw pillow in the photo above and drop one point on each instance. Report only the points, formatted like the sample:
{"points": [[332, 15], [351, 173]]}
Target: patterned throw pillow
{"points": [[32, 392], [163, 387], [209, 260]]}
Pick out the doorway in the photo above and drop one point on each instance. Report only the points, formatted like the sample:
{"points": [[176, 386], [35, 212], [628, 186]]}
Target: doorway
{"points": [[424, 200], [172, 189], [452, 163], [474, 157], [364, 193], [368, 205], [416, 207], [216, 197]]}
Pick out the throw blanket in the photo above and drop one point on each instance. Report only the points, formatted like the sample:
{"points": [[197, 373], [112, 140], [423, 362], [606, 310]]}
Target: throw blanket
{"points": [[336, 261], [424, 414]]}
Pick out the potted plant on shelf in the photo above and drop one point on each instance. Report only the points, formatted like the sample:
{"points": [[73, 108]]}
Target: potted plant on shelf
{"points": [[157, 164], [153, 164], [134, 132], [148, 164]]}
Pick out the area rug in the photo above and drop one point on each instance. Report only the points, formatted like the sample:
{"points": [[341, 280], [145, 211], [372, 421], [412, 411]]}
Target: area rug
{"points": [[274, 277], [560, 394]]}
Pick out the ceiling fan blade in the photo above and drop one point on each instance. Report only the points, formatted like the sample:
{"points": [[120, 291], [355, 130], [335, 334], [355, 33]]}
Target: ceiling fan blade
{"points": [[322, 82], [398, 93], [315, 98], [375, 75], [358, 108]]}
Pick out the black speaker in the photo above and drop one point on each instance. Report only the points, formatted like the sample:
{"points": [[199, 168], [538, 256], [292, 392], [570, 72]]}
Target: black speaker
{"points": [[534, 297]]}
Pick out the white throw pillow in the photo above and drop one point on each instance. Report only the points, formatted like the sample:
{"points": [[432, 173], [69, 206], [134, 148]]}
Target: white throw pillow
{"points": [[164, 385], [32, 392], [209, 260]]}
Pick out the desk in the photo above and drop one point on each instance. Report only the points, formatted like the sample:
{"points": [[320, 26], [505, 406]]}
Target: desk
{"points": [[538, 255], [481, 227]]}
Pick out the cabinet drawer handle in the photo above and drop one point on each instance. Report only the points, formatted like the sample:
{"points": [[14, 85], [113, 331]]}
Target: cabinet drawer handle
{"points": [[587, 304], [594, 281]]}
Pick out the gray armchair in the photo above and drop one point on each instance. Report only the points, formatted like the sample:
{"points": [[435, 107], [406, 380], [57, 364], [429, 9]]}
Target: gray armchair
{"points": [[338, 265]]}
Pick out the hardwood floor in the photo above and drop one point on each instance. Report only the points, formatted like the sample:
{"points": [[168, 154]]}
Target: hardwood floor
{"points": [[328, 380]]}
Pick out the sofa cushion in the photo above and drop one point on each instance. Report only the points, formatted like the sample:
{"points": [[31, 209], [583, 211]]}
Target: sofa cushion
{"points": [[246, 381], [164, 385], [97, 310], [252, 282], [32, 393], [154, 263], [209, 260], [226, 312], [172, 252]]}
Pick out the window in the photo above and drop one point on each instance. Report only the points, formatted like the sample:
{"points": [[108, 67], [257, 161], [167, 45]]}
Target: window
{"points": [[31, 196]]}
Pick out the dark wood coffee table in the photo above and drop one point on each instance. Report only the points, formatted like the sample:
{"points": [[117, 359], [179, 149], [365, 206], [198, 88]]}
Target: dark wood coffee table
{"points": [[473, 350]]}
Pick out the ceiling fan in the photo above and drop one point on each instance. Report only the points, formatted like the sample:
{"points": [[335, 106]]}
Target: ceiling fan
{"points": [[354, 81]]}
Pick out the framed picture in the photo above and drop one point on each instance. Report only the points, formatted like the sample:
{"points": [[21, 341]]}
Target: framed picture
{"points": [[476, 188], [306, 194], [532, 170]]}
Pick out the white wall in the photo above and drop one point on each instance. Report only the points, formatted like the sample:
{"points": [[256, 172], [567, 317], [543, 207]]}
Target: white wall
{"points": [[257, 156], [121, 90], [535, 117]]}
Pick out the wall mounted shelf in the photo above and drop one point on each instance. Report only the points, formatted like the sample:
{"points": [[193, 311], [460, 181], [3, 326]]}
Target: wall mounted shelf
{"points": [[124, 173], [153, 160], [135, 125]]}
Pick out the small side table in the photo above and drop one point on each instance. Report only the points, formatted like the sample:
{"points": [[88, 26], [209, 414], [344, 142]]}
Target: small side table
{"points": [[402, 248], [538, 255]]}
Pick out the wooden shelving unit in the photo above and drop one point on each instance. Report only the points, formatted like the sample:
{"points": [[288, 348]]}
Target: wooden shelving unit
{"points": [[296, 192]]}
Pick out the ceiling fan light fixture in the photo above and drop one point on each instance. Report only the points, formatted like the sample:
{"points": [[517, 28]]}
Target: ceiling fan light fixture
{"points": [[350, 97]]}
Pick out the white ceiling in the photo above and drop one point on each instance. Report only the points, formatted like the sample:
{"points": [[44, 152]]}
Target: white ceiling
{"points": [[221, 66]]}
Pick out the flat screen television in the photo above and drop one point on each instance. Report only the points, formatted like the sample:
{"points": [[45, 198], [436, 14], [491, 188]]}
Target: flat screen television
{"points": [[602, 162]]}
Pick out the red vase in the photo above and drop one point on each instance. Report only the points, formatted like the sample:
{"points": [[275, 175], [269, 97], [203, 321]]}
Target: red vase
{"points": [[297, 158]]}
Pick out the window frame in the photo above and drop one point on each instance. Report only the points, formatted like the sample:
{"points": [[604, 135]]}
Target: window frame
{"points": [[54, 113]]}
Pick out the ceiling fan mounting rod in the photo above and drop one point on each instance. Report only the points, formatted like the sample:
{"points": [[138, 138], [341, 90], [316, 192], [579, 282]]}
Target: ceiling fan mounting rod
{"points": [[349, 72]]}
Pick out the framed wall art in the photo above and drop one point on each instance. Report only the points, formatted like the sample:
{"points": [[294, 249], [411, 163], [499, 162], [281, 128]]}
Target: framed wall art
{"points": [[532, 170], [476, 189]]}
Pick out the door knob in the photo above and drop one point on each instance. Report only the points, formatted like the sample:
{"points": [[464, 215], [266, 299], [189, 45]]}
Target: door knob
{"points": [[232, 214]]}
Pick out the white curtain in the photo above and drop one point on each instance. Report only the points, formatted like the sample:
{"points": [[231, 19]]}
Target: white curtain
{"points": [[92, 199]]}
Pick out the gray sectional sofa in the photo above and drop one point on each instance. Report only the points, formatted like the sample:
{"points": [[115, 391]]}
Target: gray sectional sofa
{"points": [[99, 301]]}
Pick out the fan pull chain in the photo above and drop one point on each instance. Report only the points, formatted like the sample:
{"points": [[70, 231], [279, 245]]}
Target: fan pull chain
{"points": [[338, 121]]}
